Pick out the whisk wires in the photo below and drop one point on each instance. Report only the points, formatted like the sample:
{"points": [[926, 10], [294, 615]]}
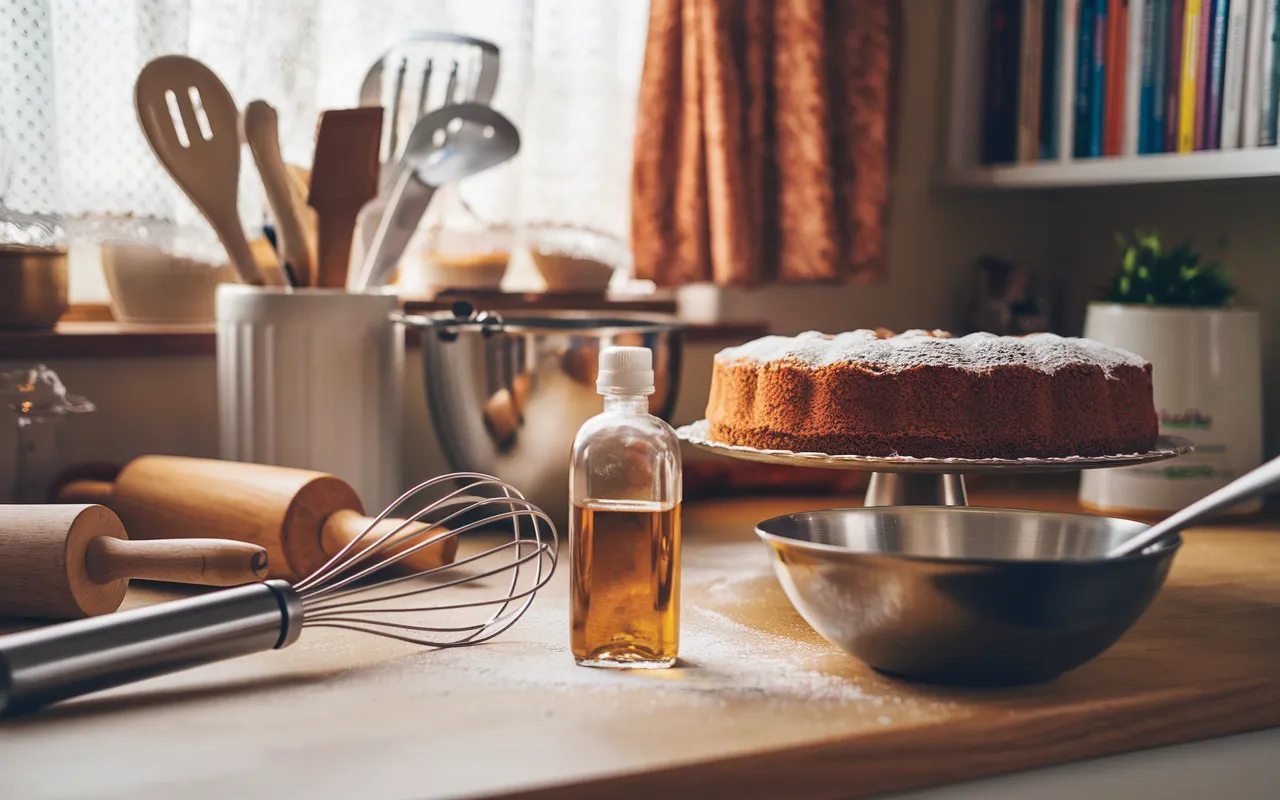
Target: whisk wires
{"points": [[351, 589]]}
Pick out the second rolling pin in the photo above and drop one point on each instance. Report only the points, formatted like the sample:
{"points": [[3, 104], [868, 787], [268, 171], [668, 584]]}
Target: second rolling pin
{"points": [[67, 561], [301, 517]]}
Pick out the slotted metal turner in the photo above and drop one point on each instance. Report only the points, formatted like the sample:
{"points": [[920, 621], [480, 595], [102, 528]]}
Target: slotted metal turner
{"points": [[191, 122], [416, 67], [417, 75]]}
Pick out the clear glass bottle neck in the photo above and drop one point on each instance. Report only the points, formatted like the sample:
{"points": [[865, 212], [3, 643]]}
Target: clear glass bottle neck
{"points": [[626, 404]]}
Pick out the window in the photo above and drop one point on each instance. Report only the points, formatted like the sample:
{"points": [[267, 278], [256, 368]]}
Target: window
{"points": [[71, 143]]}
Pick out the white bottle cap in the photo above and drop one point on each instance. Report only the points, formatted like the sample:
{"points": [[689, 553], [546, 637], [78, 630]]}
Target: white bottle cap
{"points": [[625, 370]]}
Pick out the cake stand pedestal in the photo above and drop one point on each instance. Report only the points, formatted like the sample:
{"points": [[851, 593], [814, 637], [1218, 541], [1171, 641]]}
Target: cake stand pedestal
{"points": [[902, 481]]}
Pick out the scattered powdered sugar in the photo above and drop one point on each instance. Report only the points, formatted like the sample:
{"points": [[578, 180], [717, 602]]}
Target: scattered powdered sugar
{"points": [[1046, 352], [726, 661]]}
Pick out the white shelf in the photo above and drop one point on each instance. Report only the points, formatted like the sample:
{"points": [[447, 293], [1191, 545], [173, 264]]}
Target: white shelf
{"points": [[1119, 170]]}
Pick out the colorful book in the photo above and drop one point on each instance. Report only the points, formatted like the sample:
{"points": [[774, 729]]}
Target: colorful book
{"points": [[1202, 72], [1251, 108], [1138, 34], [1215, 72], [1000, 112], [1098, 89], [1190, 70], [1270, 84], [1069, 53], [1173, 76], [1114, 72], [1154, 139], [1236, 43], [1147, 78], [1029, 78], [1085, 77], [1049, 82]]}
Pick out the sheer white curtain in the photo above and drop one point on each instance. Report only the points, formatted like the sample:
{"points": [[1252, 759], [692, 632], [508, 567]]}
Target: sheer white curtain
{"points": [[70, 143]]}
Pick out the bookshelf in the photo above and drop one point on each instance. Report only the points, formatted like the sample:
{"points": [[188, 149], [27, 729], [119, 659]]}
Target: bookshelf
{"points": [[962, 167]]}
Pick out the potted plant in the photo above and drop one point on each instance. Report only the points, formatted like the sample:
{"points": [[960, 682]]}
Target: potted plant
{"points": [[1173, 308]]}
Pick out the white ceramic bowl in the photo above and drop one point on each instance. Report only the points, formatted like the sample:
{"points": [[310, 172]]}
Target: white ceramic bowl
{"points": [[151, 286], [573, 259]]}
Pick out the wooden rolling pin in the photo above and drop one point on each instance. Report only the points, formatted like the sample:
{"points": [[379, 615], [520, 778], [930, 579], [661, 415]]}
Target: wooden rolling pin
{"points": [[68, 561], [301, 517]]}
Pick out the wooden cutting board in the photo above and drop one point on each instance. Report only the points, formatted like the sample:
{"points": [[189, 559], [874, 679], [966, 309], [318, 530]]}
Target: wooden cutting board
{"points": [[759, 707]]}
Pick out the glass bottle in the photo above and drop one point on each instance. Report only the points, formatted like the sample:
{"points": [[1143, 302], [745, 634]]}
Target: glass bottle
{"points": [[41, 403], [624, 524]]}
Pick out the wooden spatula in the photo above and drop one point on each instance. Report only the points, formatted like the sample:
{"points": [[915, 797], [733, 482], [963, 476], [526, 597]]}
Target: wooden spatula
{"points": [[192, 125], [343, 178]]}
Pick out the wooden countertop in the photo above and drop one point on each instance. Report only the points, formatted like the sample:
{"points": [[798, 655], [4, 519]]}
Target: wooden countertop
{"points": [[760, 706]]}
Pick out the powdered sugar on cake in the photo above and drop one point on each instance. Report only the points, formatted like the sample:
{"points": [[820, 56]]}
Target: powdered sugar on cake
{"points": [[977, 352]]}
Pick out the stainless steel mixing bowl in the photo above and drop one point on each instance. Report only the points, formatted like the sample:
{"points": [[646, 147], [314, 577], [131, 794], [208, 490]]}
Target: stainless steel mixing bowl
{"points": [[966, 596], [507, 394]]}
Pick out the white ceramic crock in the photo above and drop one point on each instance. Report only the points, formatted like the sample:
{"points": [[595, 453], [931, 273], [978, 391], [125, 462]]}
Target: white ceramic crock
{"points": [[313, 379], [1207, 377]]}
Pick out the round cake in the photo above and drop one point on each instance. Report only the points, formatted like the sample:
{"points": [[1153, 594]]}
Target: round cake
{"points": [[925, 394]]}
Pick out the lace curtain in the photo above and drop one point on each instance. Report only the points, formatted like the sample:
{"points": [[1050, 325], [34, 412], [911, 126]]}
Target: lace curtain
{"points": [[70, 143]]}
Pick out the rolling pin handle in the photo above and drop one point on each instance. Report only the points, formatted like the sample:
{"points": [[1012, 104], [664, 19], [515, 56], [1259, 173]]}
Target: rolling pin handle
{"points": [[207, 562], [345, 526], [89, 492]]}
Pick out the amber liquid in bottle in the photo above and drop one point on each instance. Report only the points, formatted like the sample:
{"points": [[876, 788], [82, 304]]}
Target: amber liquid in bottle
{"points": [[625, 591]]}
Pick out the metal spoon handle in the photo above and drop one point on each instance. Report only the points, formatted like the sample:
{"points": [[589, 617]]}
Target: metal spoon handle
{"points": [[1246, 487]]}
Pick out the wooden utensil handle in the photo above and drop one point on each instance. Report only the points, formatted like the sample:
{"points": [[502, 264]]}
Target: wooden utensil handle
{"points": [[207, 562], [92, 492], [336, 229], [261, 130], [343, 527]]}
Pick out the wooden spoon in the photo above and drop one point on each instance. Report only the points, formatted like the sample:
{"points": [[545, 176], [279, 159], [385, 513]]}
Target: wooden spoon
{"points": [[261, 131]]}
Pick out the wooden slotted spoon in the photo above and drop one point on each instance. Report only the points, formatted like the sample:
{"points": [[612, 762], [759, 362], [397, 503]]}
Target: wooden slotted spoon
{"points": [[192, 125]]}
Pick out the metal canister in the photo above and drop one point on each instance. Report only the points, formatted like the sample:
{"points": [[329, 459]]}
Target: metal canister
{"points": [[33, 286]]}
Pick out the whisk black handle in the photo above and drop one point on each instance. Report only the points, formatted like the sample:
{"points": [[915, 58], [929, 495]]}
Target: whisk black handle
{"points": [[45, 665]]}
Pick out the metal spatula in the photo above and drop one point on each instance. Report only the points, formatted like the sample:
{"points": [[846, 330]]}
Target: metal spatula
{"points": [[193, 127], [425, 71], [447, 145], [417, 67]]}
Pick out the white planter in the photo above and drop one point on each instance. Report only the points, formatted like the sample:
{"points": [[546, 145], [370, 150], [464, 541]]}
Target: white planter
{"points": [[1207, 377]]}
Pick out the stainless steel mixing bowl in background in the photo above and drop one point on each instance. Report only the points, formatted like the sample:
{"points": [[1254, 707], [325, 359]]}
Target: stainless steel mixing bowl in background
{"points": [[508, 394], [965, 596]]}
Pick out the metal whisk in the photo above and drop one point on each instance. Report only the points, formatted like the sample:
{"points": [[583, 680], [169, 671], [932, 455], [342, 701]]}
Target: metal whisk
{"points": [[350, 591]]}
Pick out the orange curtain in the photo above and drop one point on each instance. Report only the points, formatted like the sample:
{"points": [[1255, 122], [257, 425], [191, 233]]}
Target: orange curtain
{"points": [[764, 141]]}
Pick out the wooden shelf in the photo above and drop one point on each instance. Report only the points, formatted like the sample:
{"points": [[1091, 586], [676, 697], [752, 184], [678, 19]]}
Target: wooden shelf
{"points": [[79, 339], [1119, 170]]}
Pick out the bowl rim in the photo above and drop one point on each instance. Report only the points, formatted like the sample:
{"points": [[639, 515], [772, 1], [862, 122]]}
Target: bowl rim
{"points": [[1161, 549], [525, 322]]}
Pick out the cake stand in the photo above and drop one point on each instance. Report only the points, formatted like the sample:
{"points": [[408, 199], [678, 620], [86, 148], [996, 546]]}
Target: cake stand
{"points": [[904, 481]]}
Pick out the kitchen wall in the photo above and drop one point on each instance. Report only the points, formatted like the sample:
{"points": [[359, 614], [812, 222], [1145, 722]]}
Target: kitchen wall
{"points": [[170, 405], [1084, 253]]}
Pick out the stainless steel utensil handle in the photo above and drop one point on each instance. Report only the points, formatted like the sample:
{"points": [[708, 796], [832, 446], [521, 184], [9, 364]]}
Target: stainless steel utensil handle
{"points": [[42, 666], [1246, 487], [405, 207]]}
